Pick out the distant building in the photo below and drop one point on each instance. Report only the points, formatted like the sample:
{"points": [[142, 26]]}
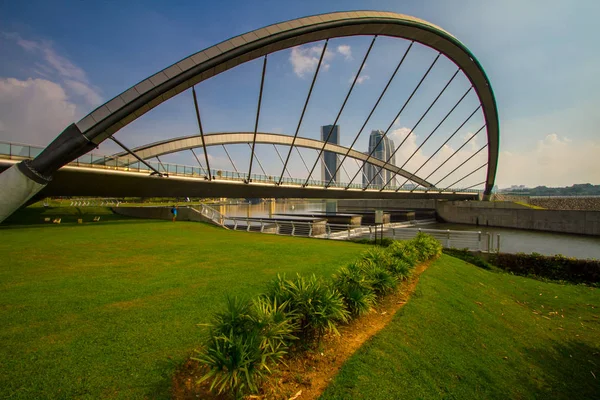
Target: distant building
{"points": [[330, 162], [385, 149]]}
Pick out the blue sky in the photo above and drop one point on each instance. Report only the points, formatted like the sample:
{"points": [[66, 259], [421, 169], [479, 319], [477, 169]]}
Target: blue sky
{"points": [[61, 59]]}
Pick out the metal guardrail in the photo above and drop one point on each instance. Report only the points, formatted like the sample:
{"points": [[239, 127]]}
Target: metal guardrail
{"points": [[471, 240], [17, 151], [211, 214]]}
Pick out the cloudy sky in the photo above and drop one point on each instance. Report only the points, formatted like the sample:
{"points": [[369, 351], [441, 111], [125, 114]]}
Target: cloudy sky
{"points": [[62, 59]]}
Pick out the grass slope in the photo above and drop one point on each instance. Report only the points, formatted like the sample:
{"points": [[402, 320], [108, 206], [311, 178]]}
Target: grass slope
{"points": [[109, 310], [468, 333]]}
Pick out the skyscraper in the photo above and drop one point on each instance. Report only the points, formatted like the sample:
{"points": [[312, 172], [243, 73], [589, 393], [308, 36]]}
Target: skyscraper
{"points": [[385, 149], [330, 163]]}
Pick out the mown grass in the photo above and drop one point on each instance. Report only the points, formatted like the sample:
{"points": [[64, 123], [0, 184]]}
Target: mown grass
{"points": [[109, 310], [468, 333]]}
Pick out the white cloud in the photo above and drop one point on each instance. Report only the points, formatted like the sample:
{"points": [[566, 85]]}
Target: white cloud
{"points": [[33, 111], [90, 95], [361, 79], [554, 161], [346, 51], [54, 66], [306, 59]]}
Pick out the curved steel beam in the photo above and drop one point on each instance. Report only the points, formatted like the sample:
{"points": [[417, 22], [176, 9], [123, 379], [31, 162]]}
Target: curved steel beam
{"points": [[134, 102], [158, 149], [80, 138]]}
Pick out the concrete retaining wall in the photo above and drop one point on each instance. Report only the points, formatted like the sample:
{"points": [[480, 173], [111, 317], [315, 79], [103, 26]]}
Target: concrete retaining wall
{"points": [[381, 203], [183, 213], [495, 214]]}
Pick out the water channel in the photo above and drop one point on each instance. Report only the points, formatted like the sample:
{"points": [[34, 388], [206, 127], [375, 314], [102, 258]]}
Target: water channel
{"points": [[511, 240]]}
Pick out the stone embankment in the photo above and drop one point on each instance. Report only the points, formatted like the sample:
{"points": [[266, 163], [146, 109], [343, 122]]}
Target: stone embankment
{"points": [[590, 203], [566, 203]]}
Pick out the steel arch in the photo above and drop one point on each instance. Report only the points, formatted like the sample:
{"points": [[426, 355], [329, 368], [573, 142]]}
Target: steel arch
{"points": [[224, 138], [80, 138], [134, 102]]}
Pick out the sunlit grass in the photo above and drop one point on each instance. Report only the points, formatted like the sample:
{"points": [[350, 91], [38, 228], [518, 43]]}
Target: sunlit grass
{"points": [[468, 333], [109, 310]]}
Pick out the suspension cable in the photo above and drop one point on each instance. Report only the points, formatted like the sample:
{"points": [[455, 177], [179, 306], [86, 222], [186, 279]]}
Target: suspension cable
{"points": [[262, 83], [431, 134], [374, 107], [312, 85], [412, 175], [341, 109], [398, 115], [417, 124]]}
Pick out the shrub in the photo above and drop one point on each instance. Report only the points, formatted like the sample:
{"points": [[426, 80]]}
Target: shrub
{"points": [[243, 341], [235, 362], [400, 269], [382, 279], [316, 307], [405, 251], [469, 257], [385, 242], [555, 267], [356, 288], [274, 325], [427, 246], [234, 318], [378, 256]]}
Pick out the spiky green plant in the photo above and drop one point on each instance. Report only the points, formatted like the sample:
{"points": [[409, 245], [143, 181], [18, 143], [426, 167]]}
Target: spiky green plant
{"points": [[356, 287], [400, 268], [317, 307], [378, 256], [243, 340], [275, 326], [427, 246], [382, 280], [234, 318], [405, 251], [236, 362]]}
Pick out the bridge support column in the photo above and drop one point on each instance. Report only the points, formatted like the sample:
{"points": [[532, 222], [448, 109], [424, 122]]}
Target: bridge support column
{"points": [[22, 181], [17, 188]]}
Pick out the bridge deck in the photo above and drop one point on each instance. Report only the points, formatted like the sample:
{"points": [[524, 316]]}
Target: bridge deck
{"points": [[85, 181]]}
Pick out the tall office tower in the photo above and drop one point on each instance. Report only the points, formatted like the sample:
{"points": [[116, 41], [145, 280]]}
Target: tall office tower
{"points": [[385, 149], [330, 162]]}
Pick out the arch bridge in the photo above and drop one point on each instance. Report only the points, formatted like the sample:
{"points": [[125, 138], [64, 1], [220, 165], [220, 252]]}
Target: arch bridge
{"points": [[57, 169]]}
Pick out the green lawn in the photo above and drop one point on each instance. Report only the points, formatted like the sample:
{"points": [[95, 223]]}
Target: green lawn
{"points": [[109, 309], [468, 333]]}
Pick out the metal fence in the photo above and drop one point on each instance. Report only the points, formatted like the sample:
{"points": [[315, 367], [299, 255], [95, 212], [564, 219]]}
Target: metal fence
{"points": [[471, 240], [211, 214], [16, 151]]}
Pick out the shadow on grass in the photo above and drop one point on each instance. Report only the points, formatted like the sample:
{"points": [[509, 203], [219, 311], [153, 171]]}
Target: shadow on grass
{"points": [[68, 215], [571, 370], [163, 388]]}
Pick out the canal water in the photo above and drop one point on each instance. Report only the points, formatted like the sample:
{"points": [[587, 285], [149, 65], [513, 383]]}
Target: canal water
{"points": [[528, 241], [511, 240], [269, 209]]}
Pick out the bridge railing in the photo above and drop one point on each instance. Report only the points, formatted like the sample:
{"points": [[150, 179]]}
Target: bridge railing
{"points": [[18, 151], [448, 238], [212, 214]]}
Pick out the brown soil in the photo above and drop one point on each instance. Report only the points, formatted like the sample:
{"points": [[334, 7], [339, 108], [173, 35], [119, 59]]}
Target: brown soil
{"points": [[307, 374]]}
